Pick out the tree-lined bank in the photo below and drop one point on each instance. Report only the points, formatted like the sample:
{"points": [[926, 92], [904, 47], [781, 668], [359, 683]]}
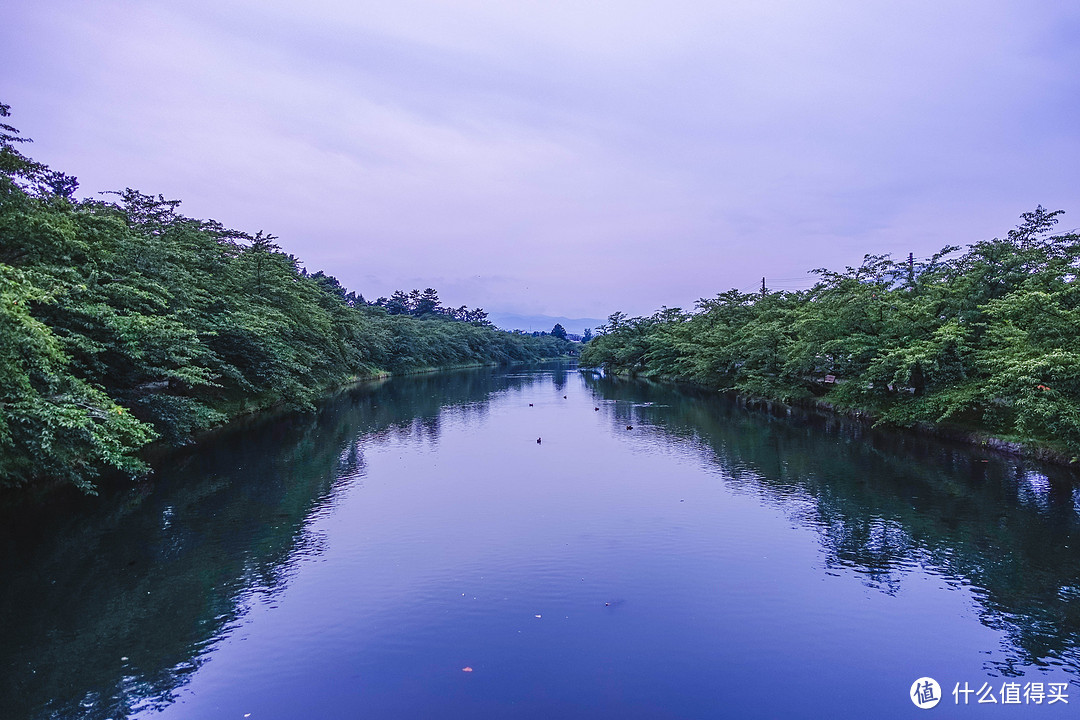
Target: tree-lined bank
{"points": [[983, 339], [123, 322]]}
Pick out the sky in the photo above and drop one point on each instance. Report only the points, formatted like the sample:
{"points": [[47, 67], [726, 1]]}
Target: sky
{"points": [[564, 158]]}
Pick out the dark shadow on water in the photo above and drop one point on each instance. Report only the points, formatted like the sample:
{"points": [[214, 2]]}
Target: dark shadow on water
{"points": [[884, 502], [110, 603]]}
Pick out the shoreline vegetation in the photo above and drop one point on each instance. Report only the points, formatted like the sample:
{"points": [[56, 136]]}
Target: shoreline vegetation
{"points": [[976, 344], [954, 433], [124, 323]]}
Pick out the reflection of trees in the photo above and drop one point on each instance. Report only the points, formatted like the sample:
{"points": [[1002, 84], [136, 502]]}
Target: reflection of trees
{"points": [[558, 376], [155, 573], [884, 502]]}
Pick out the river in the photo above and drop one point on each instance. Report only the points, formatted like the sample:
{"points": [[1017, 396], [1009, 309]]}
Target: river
{"points": [[543, 543]]}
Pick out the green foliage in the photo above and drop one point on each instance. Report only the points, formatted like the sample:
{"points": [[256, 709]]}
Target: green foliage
{"points": [[984, 338], [122, 321], [53, 422]]}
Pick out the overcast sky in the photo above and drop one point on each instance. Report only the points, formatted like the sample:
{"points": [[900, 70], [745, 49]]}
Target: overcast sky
{"points": [[568, 158]]}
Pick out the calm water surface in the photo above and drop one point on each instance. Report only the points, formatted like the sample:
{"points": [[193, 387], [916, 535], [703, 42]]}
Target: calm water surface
{"points": [[709, 562]]}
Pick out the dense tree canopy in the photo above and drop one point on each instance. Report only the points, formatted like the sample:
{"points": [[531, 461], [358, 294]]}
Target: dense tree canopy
{"points": [[984, 338], [123, 321], [426, 304]]}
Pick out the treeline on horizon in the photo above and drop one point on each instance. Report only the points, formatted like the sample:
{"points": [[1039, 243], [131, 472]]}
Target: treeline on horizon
{"points": [[984, 339], [123, 322]]}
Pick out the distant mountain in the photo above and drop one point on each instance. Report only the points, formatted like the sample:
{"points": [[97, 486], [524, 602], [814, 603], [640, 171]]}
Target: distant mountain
{"points": [[542, 323]]}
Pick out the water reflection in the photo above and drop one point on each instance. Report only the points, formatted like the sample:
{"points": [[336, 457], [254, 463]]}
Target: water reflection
{"points": [[885, 502], [111, 604]]}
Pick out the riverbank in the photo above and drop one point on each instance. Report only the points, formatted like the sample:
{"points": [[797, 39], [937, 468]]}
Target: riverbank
{"points": [[1000, 445], [253, 410], [1031, 449], [247, 411]]}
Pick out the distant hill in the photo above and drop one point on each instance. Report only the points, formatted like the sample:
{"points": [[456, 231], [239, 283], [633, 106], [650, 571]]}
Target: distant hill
{"points": [[542, 323]]}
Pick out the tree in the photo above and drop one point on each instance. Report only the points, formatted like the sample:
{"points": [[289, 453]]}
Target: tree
{"points": [[587, 336], [262, 246], [559, 331], [13, 162], [398, 304], [478, 316], [426, 303]]}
